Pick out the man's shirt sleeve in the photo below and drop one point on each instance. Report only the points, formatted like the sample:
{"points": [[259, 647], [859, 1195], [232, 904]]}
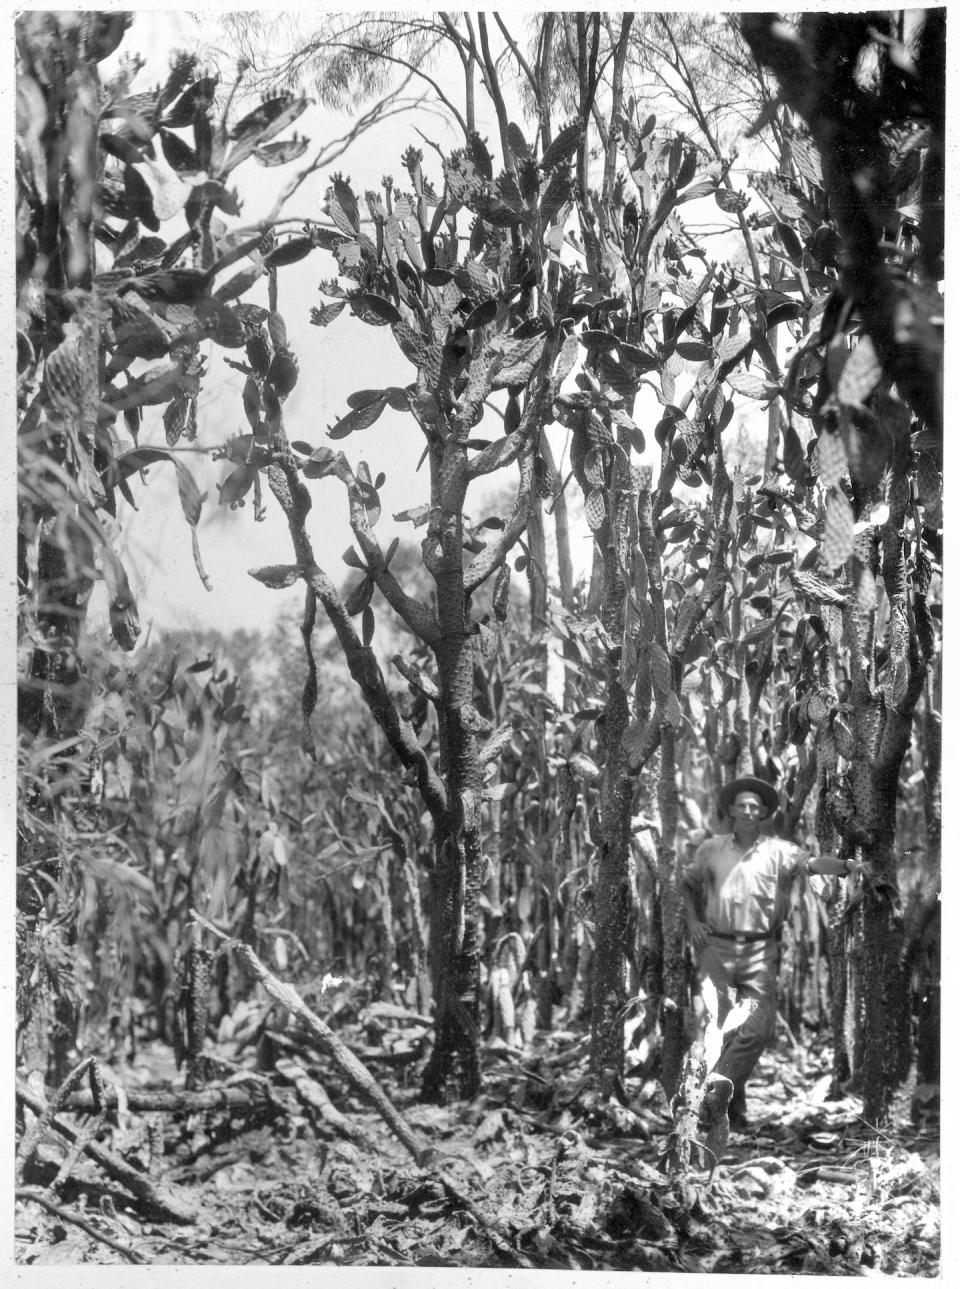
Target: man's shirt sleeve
{"points": [[792, 859]]}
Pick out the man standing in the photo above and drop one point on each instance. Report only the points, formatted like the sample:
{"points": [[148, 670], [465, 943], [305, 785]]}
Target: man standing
{"points": [[735, 893]]}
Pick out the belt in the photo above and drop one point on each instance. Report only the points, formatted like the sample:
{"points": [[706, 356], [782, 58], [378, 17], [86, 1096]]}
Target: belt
{"points": [[746, 937]]}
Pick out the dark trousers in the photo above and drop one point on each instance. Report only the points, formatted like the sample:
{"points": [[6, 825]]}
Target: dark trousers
{"points": [[743, 971]]}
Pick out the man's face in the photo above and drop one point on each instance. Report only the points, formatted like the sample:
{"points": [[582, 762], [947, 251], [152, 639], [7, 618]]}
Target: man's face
{"points": [[748, 808]]}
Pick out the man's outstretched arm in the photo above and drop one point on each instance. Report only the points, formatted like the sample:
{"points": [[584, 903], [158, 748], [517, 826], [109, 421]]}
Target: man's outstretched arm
{"points": [[831, 866]]}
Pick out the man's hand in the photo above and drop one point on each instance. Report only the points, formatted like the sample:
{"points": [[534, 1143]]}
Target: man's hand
{"points": [[698, 933]]}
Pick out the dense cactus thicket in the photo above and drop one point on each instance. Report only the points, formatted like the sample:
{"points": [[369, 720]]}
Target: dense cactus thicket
{"points": [[490, 829]]}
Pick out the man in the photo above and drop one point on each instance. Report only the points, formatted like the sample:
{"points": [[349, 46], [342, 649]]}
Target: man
{"points": [[735, 893]]}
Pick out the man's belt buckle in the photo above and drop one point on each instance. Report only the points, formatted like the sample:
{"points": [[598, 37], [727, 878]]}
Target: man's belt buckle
{"points": [[744, 937]]}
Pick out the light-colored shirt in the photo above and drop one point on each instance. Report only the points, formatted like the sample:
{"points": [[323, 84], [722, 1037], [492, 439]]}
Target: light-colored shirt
{"points": [[743, 890]]}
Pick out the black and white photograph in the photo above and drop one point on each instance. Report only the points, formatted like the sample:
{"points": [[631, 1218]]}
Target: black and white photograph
{"points": [[479, 631]]}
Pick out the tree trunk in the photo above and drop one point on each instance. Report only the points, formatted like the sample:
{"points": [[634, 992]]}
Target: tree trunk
{"points": [[837, 967], [453, 1071], [424, 992], [388, 943], [880, 998], [612, 891], [537, 571], [933, 769], [561, 528], [886, 1014], [923, 959], [613, 887], [863, 802], [674, 993]]}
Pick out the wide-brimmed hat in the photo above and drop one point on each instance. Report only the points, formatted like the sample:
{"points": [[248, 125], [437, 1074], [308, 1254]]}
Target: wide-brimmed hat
{"points": [[748, 783]]}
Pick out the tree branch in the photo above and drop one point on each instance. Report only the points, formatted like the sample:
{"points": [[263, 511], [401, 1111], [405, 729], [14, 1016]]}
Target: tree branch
{"points": [[683, 70], [467, 52], [166, 1199], [544, 60], [577, 53], [414, 71], [420, 621], [515, 50], [294, 499], [390, 105], [416, 679], [365, 670], [347, 1063], [28, 1194], [619, 62], [561, 525], [500, 453], [492, 81], [490, 559]]}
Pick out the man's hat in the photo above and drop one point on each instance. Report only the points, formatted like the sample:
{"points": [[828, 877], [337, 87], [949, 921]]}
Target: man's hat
{"points": [[764, 790]]}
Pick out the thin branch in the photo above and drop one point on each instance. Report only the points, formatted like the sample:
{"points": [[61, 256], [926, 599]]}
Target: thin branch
{"points": [[544, 59], [415, 71], [495, 744], [416, 679], [576, 52], [182, 1102], [562, 527], [467, 52], [515, 50], [593, 72], [163, 1197], [420, 621], [365, 670], [715, 579], [294, 499], [619, 61], [470, 88], [390, 105], [462, 46], [682, 69], [492, 81], [29, 1194]]}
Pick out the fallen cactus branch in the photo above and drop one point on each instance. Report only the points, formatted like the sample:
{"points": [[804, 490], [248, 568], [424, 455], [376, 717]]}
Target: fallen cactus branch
{"points": [[161, 1197], [345, 1061], [227, 1098], [314, 1096]]}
